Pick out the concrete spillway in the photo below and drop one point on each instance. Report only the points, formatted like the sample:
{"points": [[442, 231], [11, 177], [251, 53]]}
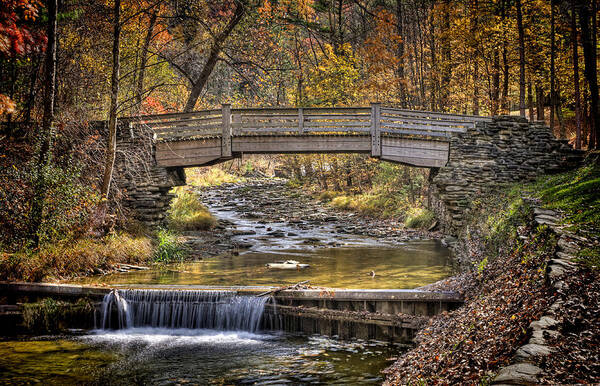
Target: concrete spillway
{"points": [[392, 315]]}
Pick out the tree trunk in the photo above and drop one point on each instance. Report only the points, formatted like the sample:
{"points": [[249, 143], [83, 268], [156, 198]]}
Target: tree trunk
{"points": [[400, 69], [475, 16], [589, 56], [139, 92], [111, 144], [495, 83], [530, 100], [539, 98], [504, 105], [447, 59], [521, 59], [433, 72], [45, 136], [577, 95], [213, 56], [552, 66]]}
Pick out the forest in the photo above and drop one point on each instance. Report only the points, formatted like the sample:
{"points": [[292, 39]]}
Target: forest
{"points": [[67, 64], [75, 74]]}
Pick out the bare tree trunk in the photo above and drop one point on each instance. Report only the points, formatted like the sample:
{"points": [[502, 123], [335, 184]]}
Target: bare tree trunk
{"points": [[45, 137], [589, 55], [139, 92], [475, 16], [433, 72], [530, 99], [521, 59], [447, 59], [111, 144], [539, 98], [495, 83], [400, 69], [504, 105], [213, 56], [576, 77], [552, 66]]}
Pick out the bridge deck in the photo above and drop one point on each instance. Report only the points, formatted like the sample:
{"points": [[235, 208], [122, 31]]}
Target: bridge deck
{"points": [[206, 137]]}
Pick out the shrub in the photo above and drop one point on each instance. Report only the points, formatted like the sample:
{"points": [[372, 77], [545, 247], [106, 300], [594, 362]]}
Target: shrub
{"points": [[187, 213], [70, 258], [169, 248], [210, 177], [419, 218]]}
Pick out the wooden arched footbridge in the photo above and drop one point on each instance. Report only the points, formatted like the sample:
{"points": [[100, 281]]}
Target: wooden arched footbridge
{"points": [[207, 137]]}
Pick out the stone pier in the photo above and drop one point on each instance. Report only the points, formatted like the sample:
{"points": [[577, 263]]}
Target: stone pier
{"points": [[505, 150]]}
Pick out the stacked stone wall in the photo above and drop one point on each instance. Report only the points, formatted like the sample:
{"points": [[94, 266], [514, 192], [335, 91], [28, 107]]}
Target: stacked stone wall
{"points": [[505, 150], [145, 185]]}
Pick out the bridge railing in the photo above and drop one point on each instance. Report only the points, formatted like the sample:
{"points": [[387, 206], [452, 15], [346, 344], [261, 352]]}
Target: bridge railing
{"points": [[375, 121]]}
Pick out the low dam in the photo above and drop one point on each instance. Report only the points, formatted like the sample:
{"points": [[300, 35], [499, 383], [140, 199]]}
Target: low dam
{"points": [[386, 315]]}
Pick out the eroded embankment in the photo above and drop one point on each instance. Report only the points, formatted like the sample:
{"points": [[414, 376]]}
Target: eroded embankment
{"points": [[527, 264]]}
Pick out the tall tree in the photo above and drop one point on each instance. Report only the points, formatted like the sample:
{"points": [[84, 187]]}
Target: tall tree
{"points": [[521, 58], [552, 65], [590, 57], [577, 93], [45, 135], [213, 56], [111, 143]]}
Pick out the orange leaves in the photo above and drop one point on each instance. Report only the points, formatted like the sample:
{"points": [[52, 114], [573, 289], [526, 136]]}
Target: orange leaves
{"points": [[15, 38], [7, 106]]}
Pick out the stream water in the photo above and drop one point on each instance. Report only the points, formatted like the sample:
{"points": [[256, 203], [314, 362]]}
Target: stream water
{"points": [[214, 339]]}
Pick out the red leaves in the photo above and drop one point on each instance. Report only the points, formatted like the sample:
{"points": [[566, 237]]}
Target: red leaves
{"points": [[16, 38]]}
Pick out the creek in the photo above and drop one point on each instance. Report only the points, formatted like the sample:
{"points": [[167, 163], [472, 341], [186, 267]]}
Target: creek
{"points": [[215, 338]]}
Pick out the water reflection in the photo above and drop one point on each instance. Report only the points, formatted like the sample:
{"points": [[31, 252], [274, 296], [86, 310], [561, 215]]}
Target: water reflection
{"points": [[408, 266]]}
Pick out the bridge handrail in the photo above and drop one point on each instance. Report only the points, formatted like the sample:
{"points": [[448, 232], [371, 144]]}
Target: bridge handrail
{"points": [[307, 120]]}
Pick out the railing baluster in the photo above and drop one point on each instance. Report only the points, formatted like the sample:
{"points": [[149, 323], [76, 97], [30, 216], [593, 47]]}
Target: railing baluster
{"points": [[226, 135], [376, 129], [300, 120]]}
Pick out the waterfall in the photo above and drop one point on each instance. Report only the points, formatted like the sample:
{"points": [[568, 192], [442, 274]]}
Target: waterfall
{"points": [[221, 310]]}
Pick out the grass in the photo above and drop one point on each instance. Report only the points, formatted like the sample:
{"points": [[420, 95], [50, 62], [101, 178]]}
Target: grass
{"points": [[382, 204], [187, 212], [168, 248], [577, 195], [68, 259], [214, 176], [419, 218]]}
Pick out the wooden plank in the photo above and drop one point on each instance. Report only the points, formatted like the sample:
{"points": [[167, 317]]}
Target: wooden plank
{"points": [[182, 122], [195, 161], [419, 162], [248, 116], [375, 130], [311, 117], [336, 110], [188, 153], [414, 143], [431, 114], [362, 129], [154, 117], [427, 125], [416, 133], [300, 120], [212, 127], [226, 135], [194, 144], [284, 144], [337, 124], [251, 125], [265, 110]]}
